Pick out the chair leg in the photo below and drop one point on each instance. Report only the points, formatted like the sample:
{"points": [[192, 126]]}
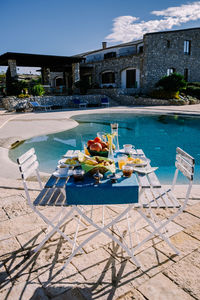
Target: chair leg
{"points": [[157, 230]]}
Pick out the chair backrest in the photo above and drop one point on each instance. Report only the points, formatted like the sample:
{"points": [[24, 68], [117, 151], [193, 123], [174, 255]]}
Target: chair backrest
{"points": [[34, 104], [28, 165], [185, 163], [104, 100], [76, 101]]}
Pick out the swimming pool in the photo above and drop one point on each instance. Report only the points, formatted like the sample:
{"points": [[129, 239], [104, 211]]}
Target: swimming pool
{"points": [[157, 135]]}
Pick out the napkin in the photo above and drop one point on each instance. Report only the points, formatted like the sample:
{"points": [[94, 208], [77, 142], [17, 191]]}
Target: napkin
{"points": [[145, 170]]}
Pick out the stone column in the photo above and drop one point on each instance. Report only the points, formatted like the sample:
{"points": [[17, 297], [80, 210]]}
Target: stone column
{"points": [[46, 76], [76, 72], [75, 77], [13, 68]]}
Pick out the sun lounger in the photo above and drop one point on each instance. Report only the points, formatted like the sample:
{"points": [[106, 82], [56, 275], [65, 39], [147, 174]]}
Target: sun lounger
{"points": [[36, 106], [105, 102], [80, 103]]}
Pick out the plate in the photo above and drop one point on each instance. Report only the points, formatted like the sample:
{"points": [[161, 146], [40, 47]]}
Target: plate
{"points": [[63, 160], [144, 170], [141, 164], [57, 174]]}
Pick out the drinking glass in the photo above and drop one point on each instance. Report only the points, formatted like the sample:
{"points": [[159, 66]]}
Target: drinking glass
{"points": [[122, 160], [102, 136]]}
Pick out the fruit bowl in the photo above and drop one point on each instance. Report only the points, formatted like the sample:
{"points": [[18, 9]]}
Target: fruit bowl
{"points": [[97, 153]]}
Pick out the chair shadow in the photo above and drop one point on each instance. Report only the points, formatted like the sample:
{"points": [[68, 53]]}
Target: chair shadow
{"points": [[92, 289]]}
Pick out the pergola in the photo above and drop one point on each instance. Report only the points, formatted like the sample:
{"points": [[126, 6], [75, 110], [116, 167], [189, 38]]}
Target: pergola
{"points": [[48, 63]]}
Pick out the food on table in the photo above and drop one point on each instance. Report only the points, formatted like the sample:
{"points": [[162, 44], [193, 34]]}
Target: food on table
{"points": [[135, 160], [96, 163], [71, 161], [97, 140], [96, 147], [89, 143]]}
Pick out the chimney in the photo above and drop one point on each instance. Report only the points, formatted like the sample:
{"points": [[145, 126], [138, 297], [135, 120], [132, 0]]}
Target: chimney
{"points": [[104, 45]]}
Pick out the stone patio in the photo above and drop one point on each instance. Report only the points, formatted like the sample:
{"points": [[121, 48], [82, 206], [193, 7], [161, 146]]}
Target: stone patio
{"points": [[103, 270]]}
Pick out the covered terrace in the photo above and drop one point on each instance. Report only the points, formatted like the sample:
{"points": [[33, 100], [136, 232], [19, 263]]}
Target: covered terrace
{"points": [[65, 68]]}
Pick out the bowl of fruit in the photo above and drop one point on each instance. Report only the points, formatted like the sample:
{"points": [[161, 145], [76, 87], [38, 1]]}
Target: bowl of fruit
{"points": [[97, 147]]}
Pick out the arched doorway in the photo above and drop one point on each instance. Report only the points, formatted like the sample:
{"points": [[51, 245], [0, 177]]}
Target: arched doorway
{"points": [[130, 78], [58, 81]]}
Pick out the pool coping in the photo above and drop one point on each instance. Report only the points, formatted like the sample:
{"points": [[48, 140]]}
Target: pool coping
{"points": [[9, 132]]}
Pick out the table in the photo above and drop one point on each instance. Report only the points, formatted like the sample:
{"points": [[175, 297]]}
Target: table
{"points": [[79, 201]]}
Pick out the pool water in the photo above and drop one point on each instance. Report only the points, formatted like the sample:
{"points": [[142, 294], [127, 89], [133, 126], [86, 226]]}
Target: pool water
{"points": [[157, 135]]}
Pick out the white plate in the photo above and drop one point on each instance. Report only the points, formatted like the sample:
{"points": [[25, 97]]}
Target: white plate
{"points": [[145, 162], [57, 174], [145, 170], [62, 162]]}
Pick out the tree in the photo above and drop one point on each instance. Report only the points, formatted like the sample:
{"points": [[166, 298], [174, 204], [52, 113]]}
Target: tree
{"points": [[174, 82]]}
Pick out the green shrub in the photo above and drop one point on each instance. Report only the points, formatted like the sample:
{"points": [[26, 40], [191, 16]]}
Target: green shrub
{"points": [[162, 94], [193, 91], [174, 82], [38, 90], [197, 84]]}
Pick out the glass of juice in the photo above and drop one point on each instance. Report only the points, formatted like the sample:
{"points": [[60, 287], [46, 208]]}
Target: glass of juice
{"points": [[122, 159]]}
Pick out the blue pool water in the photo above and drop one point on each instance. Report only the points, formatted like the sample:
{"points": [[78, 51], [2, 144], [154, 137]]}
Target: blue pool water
{"points": [[157, 135]]}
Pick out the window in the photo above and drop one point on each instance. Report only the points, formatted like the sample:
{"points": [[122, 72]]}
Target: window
{"points": [[186, 74], [109, 55], [187, 46], [140, 49], [108, 77], [130, 78], [168, 44], [170, 71]]}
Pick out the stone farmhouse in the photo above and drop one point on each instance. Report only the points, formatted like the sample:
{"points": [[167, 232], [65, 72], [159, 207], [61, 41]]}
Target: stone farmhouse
{"points": [[138, 65], [130, 67]]}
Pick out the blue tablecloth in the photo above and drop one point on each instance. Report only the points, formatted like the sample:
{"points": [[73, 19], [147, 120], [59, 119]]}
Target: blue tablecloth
{"points": [[87, 193]]}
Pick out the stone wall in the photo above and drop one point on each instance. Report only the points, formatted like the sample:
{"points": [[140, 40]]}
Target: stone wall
{"points": [[13, 103], [116, 65], [165, 50]]}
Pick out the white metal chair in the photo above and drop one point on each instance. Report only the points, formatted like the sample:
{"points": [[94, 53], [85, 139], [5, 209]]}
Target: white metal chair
{"points": [[154, 196], [50, 194]]}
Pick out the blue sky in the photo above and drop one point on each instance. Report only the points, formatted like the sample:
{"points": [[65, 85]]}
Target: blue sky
{"points": [[65, 27]]}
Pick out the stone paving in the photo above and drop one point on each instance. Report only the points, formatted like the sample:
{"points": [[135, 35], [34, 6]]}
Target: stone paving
{"points": [[103, 271]]}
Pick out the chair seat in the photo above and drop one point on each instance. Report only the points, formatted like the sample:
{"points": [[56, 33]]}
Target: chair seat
{"points": [[159, 198]]}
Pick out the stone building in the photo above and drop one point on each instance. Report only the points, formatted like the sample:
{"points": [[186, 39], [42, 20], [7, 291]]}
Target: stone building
{"points": [[138, 65], [130, 67]]}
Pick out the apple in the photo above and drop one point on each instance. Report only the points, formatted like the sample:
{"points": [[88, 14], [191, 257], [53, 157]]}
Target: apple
{"points": [[97, 140], [90, 142], [96, 147], [104, 145]]}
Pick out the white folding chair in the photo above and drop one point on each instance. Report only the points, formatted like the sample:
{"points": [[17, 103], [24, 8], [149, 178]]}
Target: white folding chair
{"points": [[50, 195], [153, 196]]}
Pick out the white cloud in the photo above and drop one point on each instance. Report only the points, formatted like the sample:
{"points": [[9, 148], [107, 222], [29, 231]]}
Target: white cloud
{"points": [[126, 29]]}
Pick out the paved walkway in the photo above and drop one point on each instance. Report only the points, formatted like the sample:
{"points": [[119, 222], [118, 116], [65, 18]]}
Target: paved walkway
{"points": [[102, 271]]}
